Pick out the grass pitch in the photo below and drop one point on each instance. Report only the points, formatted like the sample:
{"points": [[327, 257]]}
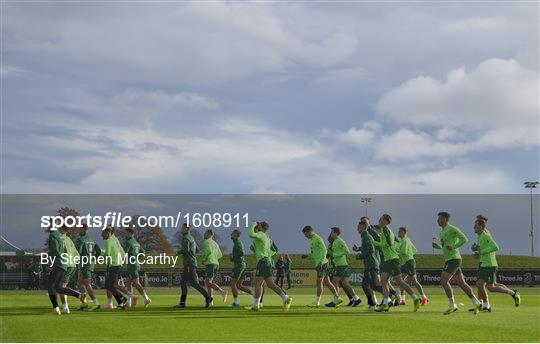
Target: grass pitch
{"points": [[25, 317]]}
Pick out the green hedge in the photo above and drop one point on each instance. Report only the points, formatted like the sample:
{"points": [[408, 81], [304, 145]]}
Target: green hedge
{"points": [[423, 261]]}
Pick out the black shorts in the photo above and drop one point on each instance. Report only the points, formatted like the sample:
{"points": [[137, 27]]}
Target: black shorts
{"points": [[370, 277], [112, 275]]}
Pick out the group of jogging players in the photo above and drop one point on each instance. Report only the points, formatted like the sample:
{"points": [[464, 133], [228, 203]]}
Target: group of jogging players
{"points": [[384, 257]]}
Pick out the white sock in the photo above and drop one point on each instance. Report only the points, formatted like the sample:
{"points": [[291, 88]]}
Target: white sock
{"points": [[284, 296], [375, 299], [451, 301], [56, 309], [424, 296], [145, 295], [65, 306], [398, 293], [511, 292], [256, 302], [475, 300], [386, 300], [414, 297], [485, 304], [318, 300], [129, 294], [235, 300], [109, 301], [95, 301], [355, 297]]}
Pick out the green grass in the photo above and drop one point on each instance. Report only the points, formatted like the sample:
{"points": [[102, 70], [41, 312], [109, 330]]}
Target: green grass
{"points": [[25, 317]]}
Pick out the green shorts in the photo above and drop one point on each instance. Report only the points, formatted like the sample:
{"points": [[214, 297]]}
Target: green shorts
{"points": [[342, 271], [133, 271], [85, 273], [409, 268], [238, 271], [488, 274], [264, 268], [322, 270], [391, 267], [452, 266], [211, 270], [70, 273]]}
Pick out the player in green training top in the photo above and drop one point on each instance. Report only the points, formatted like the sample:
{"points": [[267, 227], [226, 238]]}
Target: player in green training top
{"points": [[375, 232], [189, 274], [332, 269], [390, 266], [495, 284], [133, 249], [71, 268], [318, 252], [57, 248], [263, 273], [114, 253], [212, 255], [88, 248], [406, 251], [485, 249], [451, 239], [371, 259], [339, 253], [239, 268]]}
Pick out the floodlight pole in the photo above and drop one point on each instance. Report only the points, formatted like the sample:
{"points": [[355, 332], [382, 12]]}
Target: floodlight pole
{"points": [[531, 186], [366, 200]]}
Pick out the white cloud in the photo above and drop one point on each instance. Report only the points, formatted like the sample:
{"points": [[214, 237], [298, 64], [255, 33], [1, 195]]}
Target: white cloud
{"points": [[188, 43], [496, 93], [492, 107], [361, 138], [162, 99]]}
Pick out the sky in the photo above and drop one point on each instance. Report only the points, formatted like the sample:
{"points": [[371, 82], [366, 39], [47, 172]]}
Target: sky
{"points": [[231, 97]]}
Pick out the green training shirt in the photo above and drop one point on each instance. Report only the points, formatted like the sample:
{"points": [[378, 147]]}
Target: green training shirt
{"points": [[288, 264], [114, 250], [273, 249], [56, 248], [375, 235], [261, 242], [368, 253], [238, 253], [317, 250], [133, 248], [340, 250], [487, 248], [453, 237], [212, 252], [188, 251], [87, 247], [71, 250], [406, 250], [387, 243]]}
